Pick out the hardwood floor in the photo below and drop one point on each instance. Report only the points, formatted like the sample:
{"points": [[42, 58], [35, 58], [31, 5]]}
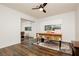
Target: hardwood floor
{"points": [[25, 50]]}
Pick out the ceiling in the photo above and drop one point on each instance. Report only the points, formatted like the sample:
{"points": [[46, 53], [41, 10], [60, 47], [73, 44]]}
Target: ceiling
{"points": [[51, 8]]}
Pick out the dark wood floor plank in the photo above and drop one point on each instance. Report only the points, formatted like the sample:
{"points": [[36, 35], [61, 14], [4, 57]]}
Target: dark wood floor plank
{"points": [[25, 50]]}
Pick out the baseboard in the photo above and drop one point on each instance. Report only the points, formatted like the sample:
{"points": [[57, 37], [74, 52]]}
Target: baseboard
{"points": [[8, 45]]}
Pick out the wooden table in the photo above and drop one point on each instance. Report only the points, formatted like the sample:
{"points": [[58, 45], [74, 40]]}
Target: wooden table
{"points": [[52, 36], [76, 47]]}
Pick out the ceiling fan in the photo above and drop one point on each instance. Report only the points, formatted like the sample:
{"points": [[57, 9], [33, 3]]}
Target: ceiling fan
{"points": [[41, 7]]}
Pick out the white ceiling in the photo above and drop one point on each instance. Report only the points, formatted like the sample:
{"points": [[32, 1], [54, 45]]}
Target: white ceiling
{"points": [[51, 8]]}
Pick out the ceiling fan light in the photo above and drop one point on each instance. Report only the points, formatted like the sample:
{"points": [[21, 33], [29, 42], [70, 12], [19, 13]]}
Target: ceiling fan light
{"points": [[41, 9]]}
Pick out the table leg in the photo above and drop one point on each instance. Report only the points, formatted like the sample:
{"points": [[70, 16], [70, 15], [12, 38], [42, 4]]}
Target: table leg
{"points": [[37, 41], [59, 45]]}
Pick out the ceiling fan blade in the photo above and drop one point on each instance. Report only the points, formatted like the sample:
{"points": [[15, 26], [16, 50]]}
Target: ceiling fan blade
{"points": [[44, 4], [44, 11], [41, 6], [35, 8]]}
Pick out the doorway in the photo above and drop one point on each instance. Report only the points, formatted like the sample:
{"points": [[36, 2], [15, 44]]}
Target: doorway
{"points": [[26, 31]]}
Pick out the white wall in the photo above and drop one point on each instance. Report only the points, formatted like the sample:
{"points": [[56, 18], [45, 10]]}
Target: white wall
{"points": [[68, 28], [48, 21], [77, 23], [10, 24], [68, 24]]}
